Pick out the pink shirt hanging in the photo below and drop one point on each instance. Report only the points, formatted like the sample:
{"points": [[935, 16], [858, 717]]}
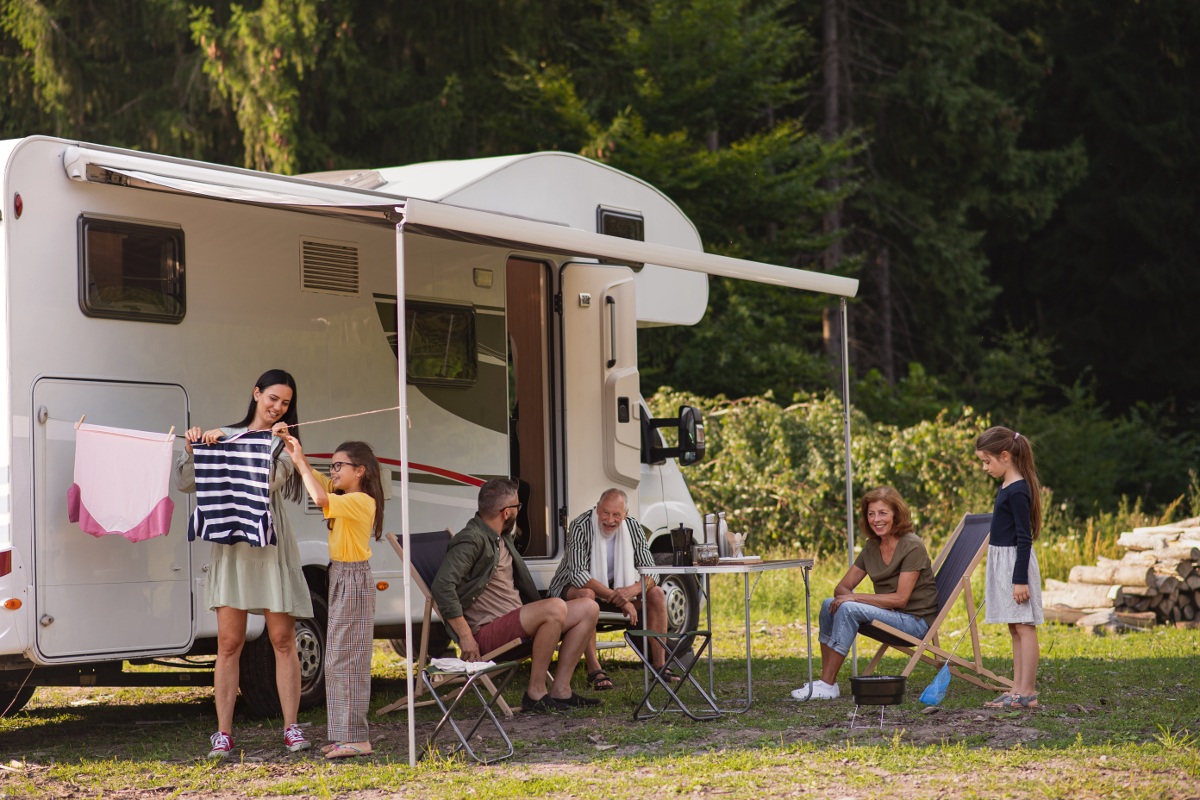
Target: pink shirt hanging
{"points": [[122, 478]]}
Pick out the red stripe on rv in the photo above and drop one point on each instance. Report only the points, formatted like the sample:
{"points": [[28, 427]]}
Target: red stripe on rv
{"points": [[470, 480], [5, 563]]}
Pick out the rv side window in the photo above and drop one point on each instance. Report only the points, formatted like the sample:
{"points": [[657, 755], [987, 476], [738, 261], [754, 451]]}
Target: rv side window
{"points": [[441, 344], [130, 270], [623, 224]]}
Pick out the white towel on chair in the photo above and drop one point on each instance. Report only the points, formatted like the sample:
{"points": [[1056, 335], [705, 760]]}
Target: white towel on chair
{"points": [[458, 665], [624, 572]]}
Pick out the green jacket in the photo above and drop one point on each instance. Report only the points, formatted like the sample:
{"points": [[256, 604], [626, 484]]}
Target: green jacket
{"points": [[471, 560]]}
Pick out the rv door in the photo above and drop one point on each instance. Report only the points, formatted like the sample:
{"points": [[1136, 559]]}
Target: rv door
{"points": [[600, 384], [104, 597]]}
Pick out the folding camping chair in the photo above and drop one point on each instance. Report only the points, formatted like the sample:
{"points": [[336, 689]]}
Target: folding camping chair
{"points": [[952, 571], [427, 553], [426, 556]]}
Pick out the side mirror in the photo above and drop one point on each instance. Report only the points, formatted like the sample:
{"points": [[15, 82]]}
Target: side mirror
{"points": [[691, 436], [690, 424]]}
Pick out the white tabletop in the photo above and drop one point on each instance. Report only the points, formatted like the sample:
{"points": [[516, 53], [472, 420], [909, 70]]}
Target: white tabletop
{"points": [[727, 569]]}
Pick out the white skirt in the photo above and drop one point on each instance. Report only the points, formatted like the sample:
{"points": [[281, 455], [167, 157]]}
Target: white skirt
{"points": [[1001, 608]]}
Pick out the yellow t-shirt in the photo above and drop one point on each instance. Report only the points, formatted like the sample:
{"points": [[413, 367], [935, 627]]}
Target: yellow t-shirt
{"points": [[353, 518]]}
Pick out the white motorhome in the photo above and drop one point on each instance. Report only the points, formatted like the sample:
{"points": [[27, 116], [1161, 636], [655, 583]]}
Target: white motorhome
{"points": [[150, 292]]}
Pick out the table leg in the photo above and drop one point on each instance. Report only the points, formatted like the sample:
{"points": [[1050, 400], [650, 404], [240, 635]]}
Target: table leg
{"points": [[708, 608], [749, 676], [808, 628]]}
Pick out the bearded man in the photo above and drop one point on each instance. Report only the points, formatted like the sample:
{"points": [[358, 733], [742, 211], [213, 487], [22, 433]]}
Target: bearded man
{"points": [[605, 548], [487, 598]]}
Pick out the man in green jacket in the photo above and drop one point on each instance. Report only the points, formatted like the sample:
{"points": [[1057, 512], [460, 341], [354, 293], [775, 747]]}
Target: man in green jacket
{"points": [[487, 597]]}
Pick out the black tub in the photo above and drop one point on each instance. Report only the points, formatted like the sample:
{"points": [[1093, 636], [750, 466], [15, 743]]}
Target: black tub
{"points": [[877, 690]]}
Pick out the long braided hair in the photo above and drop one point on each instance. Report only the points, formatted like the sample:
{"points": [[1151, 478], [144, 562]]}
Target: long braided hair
{"points": [[997, 440]]}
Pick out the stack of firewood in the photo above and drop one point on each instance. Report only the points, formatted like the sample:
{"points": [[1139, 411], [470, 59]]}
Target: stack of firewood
{"points": [[1157, 581]]}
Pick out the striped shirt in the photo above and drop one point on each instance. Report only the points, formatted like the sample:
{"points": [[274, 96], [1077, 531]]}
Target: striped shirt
{"points": [[576, 567], [233, 491]]}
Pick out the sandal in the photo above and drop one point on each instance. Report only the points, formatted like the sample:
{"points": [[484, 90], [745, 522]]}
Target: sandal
{"points": [[669, 676], [347, 751], [599, 681], [1003, 701], [1025, 701]]}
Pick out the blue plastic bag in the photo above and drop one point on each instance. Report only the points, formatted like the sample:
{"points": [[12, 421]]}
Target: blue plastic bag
{"points": [[936, 692]]}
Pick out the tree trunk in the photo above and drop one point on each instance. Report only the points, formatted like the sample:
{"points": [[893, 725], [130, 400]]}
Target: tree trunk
{"points": [[1080, 595], [833, 218], [886, 355], [1131, 575]]}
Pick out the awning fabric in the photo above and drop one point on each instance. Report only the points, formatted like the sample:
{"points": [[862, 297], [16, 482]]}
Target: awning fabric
{"points": [[439, 220]]}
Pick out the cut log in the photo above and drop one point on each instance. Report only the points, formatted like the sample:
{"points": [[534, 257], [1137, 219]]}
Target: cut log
{"points": [[1142, 604], [1173, 566], [1177, 613], [1082, 595], [1166, 583], [1193, 580], [1054, 586], [1064, 615], [1188, 626], [1144, 541], [1135, 592], [1139, 557], [1133, 620], [1181, 552], [1125, 574]]}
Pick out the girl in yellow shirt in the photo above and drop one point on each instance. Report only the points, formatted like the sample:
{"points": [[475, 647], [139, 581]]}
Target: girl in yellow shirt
{"points": [[352, 498]]}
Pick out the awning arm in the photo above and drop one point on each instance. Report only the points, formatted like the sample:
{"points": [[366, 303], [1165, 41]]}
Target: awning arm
{"points": [[483, 227]]}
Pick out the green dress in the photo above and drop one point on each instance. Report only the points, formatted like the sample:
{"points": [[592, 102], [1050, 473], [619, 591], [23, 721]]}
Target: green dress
{"points": [[256, 579]]}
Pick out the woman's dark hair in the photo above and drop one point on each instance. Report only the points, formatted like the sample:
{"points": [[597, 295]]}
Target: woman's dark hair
{"points": [[361, 455], [294, 488], [901, 518], [997, 440]]}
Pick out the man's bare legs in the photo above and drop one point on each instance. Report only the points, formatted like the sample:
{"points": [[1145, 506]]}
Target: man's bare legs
{"points": [[573, 623], [656, 620]]}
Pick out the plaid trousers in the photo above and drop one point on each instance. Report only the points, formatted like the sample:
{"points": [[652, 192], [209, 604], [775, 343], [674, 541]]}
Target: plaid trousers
{"points": [[348, 646]]}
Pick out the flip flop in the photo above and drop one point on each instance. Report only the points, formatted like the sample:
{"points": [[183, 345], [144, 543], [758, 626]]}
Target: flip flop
{"points": [[1025, 700], [1003, 701], [329, 747], [347, 751]]}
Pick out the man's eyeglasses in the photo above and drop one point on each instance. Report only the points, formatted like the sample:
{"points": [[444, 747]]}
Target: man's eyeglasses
{"points": [[337, 465], [517, 507]]}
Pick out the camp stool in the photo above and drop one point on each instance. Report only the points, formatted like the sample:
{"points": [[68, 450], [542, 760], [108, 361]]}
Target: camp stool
{"points": [[673, 652], [432, 677]]}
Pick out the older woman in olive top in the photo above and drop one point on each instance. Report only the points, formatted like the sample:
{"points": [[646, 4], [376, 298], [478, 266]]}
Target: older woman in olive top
{"points": [[905, 595]]}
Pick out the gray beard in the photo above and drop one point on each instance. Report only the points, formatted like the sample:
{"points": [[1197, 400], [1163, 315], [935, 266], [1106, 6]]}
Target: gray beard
{"points": [[508, 526]]}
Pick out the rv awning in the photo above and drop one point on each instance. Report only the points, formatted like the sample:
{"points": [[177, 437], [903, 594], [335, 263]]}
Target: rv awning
{"points": [[484, 227], [424, 217]]}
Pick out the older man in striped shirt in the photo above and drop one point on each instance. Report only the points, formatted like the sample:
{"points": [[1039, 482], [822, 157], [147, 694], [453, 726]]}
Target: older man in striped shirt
{"points": [[605, 546]]}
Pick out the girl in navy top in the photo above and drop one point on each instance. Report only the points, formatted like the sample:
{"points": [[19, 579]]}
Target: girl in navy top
{"points": [[1014, 583]]}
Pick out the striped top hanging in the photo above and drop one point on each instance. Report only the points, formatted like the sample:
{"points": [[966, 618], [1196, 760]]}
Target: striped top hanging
{"points": [[233, 491]]}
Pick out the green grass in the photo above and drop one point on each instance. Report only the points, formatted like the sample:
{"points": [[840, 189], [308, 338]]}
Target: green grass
{"points": [[1141, 694]]}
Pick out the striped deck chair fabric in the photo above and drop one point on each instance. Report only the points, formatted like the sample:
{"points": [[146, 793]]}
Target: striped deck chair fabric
{"points": [[233, 491]]}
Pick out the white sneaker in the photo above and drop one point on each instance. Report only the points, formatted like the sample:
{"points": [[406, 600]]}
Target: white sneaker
{"points": [[820, 691]]}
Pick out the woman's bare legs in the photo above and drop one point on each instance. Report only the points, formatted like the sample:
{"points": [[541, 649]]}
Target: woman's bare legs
{"points": [[282, 630], [231, 636]]}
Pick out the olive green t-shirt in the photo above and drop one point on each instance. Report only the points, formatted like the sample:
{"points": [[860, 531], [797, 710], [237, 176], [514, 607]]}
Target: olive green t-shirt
{"points": [[910, 556]]}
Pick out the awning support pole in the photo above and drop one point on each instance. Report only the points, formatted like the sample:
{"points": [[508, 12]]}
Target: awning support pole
{"points": [[402, 348], [849, 465]]}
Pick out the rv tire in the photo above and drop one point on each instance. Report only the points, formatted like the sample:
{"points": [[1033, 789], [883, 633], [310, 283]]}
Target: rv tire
{"points": [[440, 644], [683, 602], [257, 666], [15, 700]]}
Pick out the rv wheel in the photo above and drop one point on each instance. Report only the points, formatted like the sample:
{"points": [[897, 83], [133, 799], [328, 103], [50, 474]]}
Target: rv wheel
{"points": [[15, 700], [257, 666]]}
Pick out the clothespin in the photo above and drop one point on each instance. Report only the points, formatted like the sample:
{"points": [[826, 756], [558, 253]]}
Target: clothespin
{"points": [[77, 424]]}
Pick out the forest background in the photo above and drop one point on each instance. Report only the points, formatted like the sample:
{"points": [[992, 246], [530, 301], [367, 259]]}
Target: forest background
{"points": [[1014, 183]]}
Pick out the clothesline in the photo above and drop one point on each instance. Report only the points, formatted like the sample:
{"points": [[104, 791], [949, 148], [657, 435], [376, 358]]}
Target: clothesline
{"points": [[262, 430]]}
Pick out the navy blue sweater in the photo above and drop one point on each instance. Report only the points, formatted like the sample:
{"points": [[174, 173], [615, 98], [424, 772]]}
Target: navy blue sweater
{"points": [[1011, 528]]}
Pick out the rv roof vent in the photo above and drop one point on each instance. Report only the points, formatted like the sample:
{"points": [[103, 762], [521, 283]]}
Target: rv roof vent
{"points": [[329, 267]]}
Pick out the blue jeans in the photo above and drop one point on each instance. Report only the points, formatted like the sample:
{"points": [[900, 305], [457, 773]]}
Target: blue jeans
{"points": [[838, 630]]}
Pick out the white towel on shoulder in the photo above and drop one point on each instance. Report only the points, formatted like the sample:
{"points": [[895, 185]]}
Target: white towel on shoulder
{"points": [[624, 572]]}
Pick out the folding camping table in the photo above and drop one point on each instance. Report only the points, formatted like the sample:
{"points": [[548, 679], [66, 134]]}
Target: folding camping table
{"points": [[756, 568]]}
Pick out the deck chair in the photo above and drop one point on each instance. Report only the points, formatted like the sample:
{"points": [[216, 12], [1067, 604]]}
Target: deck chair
{"points": [[953, 569], [428, 552]]}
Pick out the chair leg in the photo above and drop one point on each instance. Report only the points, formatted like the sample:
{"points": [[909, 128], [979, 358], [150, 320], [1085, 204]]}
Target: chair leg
{"points": [[912, 662], [491, 687], [870, 670], [486, 713]]}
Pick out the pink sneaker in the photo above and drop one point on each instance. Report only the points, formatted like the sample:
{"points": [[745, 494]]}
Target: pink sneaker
{"points": [[222, 745], [293, 739]]}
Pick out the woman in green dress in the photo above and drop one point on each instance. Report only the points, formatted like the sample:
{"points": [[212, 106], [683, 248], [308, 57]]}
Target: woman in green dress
{"points": [[243, 579]]}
